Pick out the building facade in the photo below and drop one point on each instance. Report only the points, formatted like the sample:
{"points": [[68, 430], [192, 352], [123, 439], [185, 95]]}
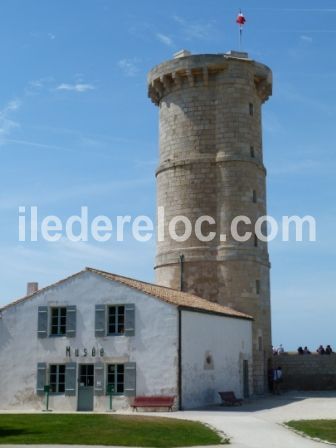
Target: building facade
{"points": [[96, 333], [211, 165]]}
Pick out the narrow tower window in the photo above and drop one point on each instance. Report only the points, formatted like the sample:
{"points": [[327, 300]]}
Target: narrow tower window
{"points": [[252, 152], [258, 287], [254, 196], [260, 343], [251, 108]]}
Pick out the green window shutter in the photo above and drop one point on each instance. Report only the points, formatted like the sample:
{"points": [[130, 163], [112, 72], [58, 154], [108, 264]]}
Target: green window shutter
{"points": [[70, 378], [41, 377], [129, 320], [100, 321], [130, 379], [42, 322], [71, 321], [99, 378]]}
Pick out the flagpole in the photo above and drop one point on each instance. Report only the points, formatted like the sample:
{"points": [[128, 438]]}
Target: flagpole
{"points": [[241, 21]]}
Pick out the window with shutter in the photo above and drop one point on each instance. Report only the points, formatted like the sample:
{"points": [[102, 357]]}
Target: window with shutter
{"points": [[99, 378], [130, 379], [100, 321], [70, 378], [58, 321], [42, 322], [116, 378], [116, 320], [71, 313], [41, 377], [130, 320], [57, 378]]}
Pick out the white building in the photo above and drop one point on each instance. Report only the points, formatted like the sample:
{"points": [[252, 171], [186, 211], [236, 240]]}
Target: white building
{"points": [[96, 329]]}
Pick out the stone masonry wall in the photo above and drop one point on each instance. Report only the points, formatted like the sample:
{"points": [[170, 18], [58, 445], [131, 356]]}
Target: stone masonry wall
{"points": [[307, 372], [211, 164]]}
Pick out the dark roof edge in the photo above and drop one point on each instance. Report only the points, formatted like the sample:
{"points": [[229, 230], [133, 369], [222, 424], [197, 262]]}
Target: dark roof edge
{"points": [[217, 313]]}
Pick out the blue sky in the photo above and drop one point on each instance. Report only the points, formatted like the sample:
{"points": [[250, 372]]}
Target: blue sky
{"points": [[76, 128]]}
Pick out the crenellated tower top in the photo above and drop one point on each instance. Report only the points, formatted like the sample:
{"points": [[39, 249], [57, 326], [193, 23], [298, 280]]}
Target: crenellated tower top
{"points": [[190, 69]]}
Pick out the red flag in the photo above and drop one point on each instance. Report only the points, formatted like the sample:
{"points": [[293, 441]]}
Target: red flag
{"points": [[241, 19]]}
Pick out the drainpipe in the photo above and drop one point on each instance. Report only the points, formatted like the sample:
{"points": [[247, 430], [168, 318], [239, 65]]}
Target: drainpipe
{"points": [[181, 272], [179, 373], [179, 379]]}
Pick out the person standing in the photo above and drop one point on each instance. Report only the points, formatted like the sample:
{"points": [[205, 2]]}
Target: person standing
{"points": [[277, 380], [281, 350]]}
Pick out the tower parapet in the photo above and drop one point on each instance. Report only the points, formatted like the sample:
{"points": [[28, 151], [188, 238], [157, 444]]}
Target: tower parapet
{"points": [[197, 69]]}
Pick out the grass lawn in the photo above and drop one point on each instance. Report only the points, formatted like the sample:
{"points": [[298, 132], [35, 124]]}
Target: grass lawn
{"points": [[322, 429], [103, 430]]}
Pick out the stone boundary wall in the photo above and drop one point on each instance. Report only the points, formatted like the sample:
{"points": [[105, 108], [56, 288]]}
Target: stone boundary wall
{"points": [[307, 372]]}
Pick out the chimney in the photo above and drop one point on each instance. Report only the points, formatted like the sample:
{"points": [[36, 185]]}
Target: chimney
{"points": [[32, 288]]}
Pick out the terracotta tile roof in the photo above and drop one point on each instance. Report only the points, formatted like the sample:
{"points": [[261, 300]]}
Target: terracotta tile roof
{"points": [[169, 295], [172, 296]]}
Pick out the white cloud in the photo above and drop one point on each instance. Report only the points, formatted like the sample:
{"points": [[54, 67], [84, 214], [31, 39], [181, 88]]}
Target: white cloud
{"points": [[166, 40], [78, 87], [13, 105], [307, 39], [194, 30], [51, 36], [36, 86], [129, 66], [7, 124]]}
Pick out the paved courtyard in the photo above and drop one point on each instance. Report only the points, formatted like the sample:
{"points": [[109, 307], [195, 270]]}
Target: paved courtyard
{"points": [[257, 424]]}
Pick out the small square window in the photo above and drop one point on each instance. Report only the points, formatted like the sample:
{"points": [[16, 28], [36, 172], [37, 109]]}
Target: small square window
{"points": [[58, 321], [57, 378], [116, 320], [115, 377]]}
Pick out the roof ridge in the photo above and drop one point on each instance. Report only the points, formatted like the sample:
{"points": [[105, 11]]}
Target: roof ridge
{"points": [[172, 296], [168, 288], [131, 282]]}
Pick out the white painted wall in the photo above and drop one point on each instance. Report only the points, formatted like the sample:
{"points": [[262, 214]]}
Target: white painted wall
{"points": [[227, 342], [153, 348]]}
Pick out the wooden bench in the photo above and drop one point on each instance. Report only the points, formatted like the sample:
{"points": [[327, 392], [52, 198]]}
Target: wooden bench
{"points": [[153, 402], [229, 398]]}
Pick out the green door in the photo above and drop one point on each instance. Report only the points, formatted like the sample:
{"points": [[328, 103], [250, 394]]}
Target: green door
{"points": [[85, 387]]}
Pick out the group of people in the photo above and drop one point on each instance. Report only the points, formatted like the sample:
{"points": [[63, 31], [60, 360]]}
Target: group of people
{"points": [[279, 350], [304, 351], [324, 351]]}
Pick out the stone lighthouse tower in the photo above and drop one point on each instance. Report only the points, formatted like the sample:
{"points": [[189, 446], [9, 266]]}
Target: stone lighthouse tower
{"points": [[211, 167]]}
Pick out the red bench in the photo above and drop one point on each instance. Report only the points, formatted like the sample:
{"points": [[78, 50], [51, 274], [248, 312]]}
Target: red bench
{"points": [[229, 398], [153, 402]]}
